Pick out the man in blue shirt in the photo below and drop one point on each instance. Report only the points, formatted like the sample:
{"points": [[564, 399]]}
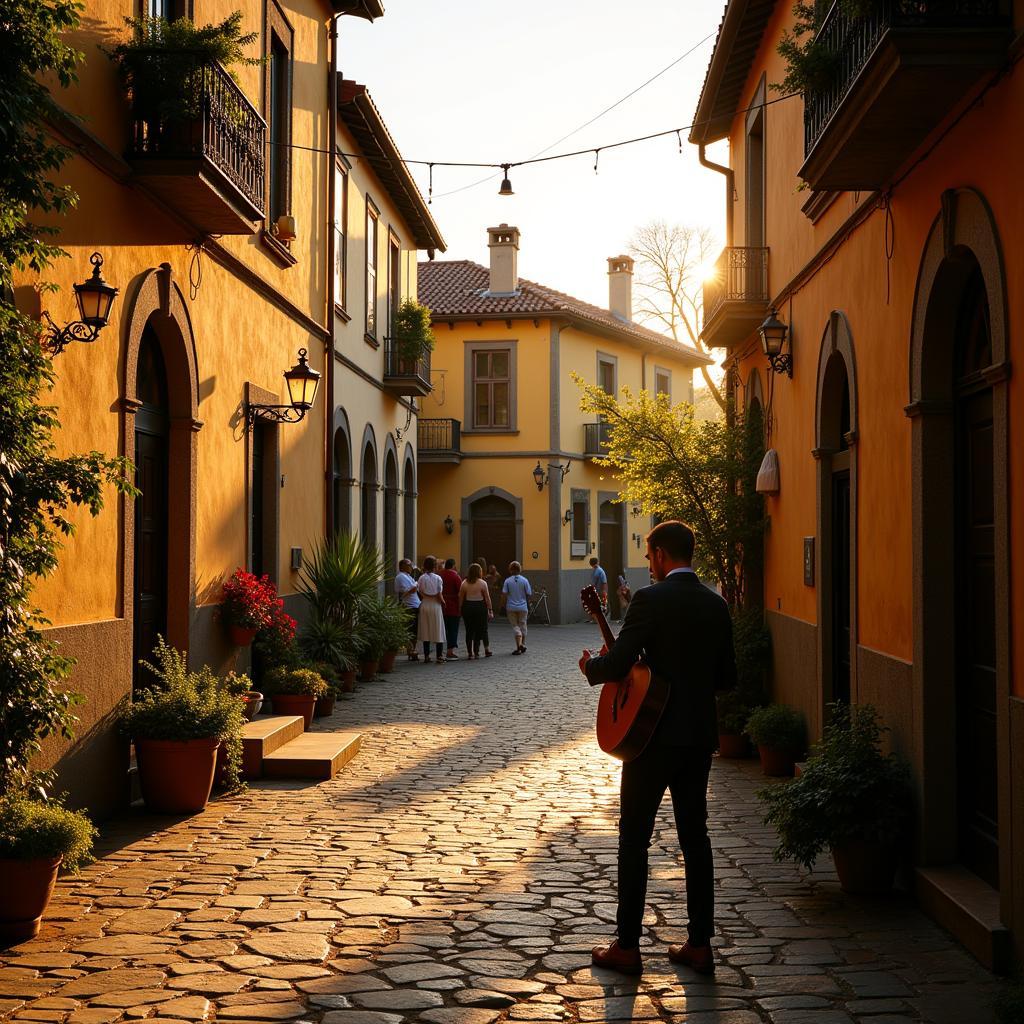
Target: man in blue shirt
{"points": [[600, 582], [515, 594]]}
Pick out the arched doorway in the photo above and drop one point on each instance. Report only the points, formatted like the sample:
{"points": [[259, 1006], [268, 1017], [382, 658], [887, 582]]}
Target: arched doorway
{"points": [[368, 495], [152, 445], [390, 511], [836, 435], [409, 510], [960, 533], [492, 531], [610, 549], [342, 482]]}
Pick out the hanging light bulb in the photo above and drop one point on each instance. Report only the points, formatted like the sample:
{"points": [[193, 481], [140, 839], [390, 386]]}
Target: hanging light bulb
{"points": [[506, 185]]}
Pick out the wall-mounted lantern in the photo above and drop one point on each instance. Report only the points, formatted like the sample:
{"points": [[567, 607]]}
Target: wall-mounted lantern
{"points": [[773, 340], [567, 518], [540, 478], [95, 298], [638, 539], [449, 524], [635, 511], [302, 381]]}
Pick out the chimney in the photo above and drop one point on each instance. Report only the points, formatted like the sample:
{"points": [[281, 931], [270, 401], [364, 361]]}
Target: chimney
{"points": [[503, 242], [620, 287]]}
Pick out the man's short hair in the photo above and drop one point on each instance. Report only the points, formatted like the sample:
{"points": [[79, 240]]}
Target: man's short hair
{"points": [[595, 561], [674, 538], [449, 563], [404, 564], [515, 568]]}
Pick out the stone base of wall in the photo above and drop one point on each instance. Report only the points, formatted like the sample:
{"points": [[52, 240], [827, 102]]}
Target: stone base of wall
{"points": [[794, 667]]}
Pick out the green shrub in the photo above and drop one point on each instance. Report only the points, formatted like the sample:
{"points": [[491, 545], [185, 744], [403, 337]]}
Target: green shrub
{"points": [[300, 681], [327, 642], [412, 333], [30, 829], [752, 643], [847, 791], [387, 623], [237, 683], [777, 727], [733, 713]]}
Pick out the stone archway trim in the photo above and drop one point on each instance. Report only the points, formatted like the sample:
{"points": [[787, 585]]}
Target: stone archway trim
{"points": [[465, 517]]}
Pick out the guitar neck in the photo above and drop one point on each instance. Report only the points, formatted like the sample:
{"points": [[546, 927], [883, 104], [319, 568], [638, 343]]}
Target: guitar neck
{"points": [[606, 630]]}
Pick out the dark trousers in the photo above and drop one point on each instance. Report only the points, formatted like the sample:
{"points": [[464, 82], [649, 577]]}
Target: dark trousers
{"points": [[414, 621], [475, 614], [451, 631], [684, 772]]}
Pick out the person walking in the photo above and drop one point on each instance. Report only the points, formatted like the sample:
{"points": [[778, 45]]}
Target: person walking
{"points": [[451, 582], [684, 631], [431, 620], [409, 599], [599, 580], [515, 594], [475, 606]]}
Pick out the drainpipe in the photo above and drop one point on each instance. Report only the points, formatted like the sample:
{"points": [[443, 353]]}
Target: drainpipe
{"points": [[730, 188], [332, 129]]}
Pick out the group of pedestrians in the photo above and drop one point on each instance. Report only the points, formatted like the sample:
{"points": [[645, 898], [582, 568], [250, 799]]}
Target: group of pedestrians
{"points": [[439, 599]]}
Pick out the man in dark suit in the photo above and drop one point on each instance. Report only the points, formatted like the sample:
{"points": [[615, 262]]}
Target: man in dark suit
{"points": [[684, 633]]}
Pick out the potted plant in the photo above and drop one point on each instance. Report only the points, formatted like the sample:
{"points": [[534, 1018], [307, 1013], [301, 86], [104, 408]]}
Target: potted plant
{"points": [[36, 839], [373, 633], [850, 798], [733, 713], [275, 640], [390, 622], [240, 685], [780, 736], [324, 640], [412, 335], [295, 691], [325, 705], [177, 728], [246, 605], [752, 645]]}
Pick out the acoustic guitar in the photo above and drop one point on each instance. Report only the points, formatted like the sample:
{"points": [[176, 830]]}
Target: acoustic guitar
{"points": [[629, 709]]}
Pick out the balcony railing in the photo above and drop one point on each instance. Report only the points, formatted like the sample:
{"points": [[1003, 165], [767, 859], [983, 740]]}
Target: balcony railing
{"points": [[735, 295], [439, 440], [405, 376], [596, 437], [933, 51], [208, 156]]}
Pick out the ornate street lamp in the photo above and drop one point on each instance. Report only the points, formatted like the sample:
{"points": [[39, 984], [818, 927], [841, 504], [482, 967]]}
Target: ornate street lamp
{"points": [[567, 518], [449, 524], [773, 340], [540, 478], [94, 298], [302, 381]]}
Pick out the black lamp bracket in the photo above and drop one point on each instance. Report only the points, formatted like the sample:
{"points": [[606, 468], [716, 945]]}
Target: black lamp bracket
{"points": [[58, 338], [782, 363], [272, 413]]}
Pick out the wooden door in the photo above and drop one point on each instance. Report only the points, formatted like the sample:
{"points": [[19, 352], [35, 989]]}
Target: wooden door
{"points": [[609, 551], [841, 582], [493, 532]]}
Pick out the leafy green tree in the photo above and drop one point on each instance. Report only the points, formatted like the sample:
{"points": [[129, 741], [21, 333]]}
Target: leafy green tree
{"points": [[37, 488], [703, 472]]}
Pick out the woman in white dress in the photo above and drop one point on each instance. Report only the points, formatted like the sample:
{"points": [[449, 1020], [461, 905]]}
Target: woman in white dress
{"points": [[431, 620]]}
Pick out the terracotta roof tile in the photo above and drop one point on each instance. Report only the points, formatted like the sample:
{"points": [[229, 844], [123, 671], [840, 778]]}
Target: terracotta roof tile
{"points": [[458, 288]]}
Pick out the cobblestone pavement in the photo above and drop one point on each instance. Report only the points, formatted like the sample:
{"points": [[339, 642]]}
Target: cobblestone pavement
{"points": [[458, 871]]}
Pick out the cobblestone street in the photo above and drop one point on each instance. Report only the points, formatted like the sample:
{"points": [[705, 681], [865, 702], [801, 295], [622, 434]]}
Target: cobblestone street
{"points": [[458, 871]]}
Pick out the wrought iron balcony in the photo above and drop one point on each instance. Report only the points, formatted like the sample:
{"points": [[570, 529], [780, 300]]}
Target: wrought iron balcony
{"points": [[207, 156], [899, 70], [735, 296], [596, 437], [439, 440], [405, 376]]}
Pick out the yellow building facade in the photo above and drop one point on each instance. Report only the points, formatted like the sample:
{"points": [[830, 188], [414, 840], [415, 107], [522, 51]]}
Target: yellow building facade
{"points": [[506, 457], [215, 230]]}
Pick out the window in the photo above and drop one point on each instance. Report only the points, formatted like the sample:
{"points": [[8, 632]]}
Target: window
{"points": [[168, 9], [340, 234], [755, 171], [580, 543], [394, 280], [279, 109], [492, 382], [663, 382], [372, 228], [606, 374]]}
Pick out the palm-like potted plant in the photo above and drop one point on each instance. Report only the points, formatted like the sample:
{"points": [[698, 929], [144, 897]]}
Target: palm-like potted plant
{"points": [[37, 838], [325, 641], [177, 727], [295, 691], [412, 334], [247, 602], [780, 735], [850, 798], [391, 621]]}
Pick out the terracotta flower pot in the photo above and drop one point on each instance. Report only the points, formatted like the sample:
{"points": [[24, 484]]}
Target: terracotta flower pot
{"points": [[368, 669], [387, 663], [295, 704], [251, 704], [176, 776], [25, 889], [324, 706], [242, 636], [865, 868], [776, 763], [348, 681], [733, 745]]}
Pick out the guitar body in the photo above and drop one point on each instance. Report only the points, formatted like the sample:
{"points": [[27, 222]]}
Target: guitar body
{"points": [[628, 712], [629, 709]]}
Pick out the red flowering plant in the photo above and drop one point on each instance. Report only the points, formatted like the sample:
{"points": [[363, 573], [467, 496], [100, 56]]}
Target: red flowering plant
{"points": [[276, 639], [248, 600]]}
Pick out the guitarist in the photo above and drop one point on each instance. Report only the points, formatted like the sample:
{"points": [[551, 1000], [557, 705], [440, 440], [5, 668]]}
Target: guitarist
{"points": [[684, 632]]}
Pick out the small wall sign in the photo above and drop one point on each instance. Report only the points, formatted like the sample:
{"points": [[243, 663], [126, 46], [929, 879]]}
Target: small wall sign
{"points": [[809, 561]]}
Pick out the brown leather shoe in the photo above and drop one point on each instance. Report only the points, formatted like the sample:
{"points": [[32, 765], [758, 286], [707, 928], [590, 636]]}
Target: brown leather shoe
{"points": [[613, 958], [698, 958]]}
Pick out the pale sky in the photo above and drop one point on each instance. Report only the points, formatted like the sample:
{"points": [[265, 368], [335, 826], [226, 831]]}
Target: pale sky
{"points": [[484, 80]]}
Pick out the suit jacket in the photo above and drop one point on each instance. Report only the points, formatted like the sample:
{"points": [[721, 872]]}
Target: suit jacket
{"points": [[684, 631]]}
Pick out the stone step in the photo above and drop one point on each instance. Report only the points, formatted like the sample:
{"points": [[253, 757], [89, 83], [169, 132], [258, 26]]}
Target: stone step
{"points": [[313, 755], [265, 735]]}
